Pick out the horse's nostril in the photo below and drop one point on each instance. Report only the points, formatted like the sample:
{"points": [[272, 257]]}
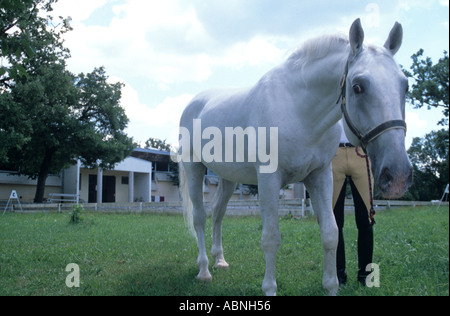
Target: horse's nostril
{"points": [[386, 177]]}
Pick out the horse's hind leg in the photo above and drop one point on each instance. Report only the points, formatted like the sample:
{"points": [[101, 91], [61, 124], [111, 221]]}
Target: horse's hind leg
{"points": [[223, 195], [195, 174]]}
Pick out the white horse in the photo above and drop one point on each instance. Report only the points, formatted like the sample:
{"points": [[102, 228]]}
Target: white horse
{"points": [[296, 101]]}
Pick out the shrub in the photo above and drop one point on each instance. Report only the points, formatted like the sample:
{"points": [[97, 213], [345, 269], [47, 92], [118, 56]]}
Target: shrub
{"points": [[75, 216]]}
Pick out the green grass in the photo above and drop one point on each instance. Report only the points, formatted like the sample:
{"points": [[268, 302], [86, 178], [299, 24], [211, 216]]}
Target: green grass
{"points": [[131, 254]]}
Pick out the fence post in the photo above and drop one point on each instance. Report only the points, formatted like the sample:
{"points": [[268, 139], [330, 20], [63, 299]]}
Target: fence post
{"points": [[303, 207]]}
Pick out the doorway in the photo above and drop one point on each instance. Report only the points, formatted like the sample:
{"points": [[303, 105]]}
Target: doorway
{"points": [[108, 191], [92, 197]]}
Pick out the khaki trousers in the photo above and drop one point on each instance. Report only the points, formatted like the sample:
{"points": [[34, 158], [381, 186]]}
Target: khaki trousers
{"points": [[348, 163]]}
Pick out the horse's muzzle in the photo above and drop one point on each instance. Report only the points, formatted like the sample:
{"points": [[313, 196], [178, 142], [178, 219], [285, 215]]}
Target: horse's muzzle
{"points": [[393, 184]]}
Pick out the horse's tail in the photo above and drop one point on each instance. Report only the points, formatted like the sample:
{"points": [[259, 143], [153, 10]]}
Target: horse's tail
{"points": [[186, 200]]}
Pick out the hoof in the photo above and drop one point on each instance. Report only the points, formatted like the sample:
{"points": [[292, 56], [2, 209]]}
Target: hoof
{"points": [[221, 264], [331, 287], [204, 277], [270, 289]]}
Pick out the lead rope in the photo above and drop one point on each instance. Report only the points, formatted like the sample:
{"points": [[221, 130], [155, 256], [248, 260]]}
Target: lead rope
{"points": [[372, 209]]}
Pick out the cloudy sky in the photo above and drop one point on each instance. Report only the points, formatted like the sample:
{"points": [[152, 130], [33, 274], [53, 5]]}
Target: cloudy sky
{"points": [[168, 51]]}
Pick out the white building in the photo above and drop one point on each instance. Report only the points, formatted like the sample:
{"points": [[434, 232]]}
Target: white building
{"points": [[142, 177], [129, 181]]}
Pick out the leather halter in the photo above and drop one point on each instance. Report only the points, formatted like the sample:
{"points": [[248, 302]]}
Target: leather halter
{"points": [[374, 133]]}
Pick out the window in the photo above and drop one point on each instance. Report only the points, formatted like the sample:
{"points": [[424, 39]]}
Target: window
{"points": [[125, 180]]}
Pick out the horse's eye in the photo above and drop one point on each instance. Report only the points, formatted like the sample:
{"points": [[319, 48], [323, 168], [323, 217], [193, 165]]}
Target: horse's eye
{"points": [[358, 89]]}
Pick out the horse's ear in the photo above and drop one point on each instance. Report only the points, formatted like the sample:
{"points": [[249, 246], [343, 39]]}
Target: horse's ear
{"points": [[395, 40], [356, 37]]}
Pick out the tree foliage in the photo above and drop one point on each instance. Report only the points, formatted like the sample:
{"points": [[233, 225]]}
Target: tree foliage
{"points": [[431, 85], [22, 31], [430, 154], [159, 144]]}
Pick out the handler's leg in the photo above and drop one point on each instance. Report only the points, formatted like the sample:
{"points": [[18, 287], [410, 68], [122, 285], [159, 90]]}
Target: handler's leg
{"points": [[339, 214], [365, 235], [340, 167], [361, 197]]}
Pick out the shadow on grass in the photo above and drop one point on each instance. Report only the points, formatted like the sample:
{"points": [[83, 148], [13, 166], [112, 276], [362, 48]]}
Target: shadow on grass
{"points": [[169, 279]]}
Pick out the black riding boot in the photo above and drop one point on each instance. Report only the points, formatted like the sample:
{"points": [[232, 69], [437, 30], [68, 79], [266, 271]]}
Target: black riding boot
{"points": [[365, 252], [340, 260]]}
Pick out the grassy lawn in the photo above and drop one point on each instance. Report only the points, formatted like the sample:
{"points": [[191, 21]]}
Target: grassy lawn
{"points": [[131, 254]]}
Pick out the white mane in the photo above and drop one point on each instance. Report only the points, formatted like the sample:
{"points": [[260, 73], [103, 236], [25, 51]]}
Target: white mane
{"points": [[317, 48]]}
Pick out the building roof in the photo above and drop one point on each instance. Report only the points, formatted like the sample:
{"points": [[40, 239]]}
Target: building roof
{"points": [[151, 155], [152, 151], [134, 164]]}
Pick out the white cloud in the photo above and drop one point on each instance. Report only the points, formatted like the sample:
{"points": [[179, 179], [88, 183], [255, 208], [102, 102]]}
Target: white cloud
{"points": [[414, 120], [78, 10], [409, 4], [143, 39], [257, 51], [161, 121], [419, 123], [162, 41]]}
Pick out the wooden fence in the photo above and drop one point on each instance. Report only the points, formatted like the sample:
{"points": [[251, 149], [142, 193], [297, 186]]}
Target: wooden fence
{"points": [[294, 207]]}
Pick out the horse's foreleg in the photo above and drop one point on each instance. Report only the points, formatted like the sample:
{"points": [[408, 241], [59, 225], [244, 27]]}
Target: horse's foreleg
{"points": [[320, 187], [223, 195], [269, 190]]}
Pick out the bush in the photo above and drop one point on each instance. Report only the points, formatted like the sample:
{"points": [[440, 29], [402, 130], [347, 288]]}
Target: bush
{"points": [[75, 216]]}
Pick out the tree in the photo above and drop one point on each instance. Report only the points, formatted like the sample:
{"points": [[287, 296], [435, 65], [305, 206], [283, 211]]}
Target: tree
{"points": [[102, 141], [20, 22], [156, 143], [43, 98], [22, 31], [431, 85], [71, 118], [13, 127], [16, 17], [430, 154]]}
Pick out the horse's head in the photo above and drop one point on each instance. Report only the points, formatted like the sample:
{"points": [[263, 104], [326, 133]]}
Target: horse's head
{"points": [[374, 109]]}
